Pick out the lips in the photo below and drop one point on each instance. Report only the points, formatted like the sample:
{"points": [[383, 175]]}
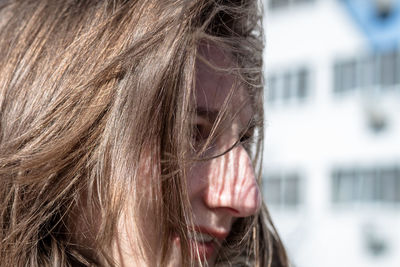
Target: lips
{"points": [[207, 241], [203, 250], [216, 234], [204, 242], [202, 238]]}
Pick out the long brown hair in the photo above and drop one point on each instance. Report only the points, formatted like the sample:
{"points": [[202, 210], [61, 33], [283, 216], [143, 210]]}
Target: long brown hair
{"points": [[87, 88]]}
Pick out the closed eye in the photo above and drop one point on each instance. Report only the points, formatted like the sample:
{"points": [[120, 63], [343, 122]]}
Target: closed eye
{"points": [[246, 137], [247, 134], [201, 130]]}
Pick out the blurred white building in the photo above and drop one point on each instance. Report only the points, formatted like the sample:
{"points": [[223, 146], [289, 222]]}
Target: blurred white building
{"points": [[332, 135]]}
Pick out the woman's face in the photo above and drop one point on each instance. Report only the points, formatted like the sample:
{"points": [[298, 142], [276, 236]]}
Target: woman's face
{"points": [[221, 189], [224, 188]]}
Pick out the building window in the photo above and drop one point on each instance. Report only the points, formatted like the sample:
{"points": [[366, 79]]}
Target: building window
{"points": [[366, 185], [287, 86], [302, 83], [378, 72], [282, 190], [345, 76], [367, 72], [276, 4], [389, 69], [281, 4], [290, 86]]}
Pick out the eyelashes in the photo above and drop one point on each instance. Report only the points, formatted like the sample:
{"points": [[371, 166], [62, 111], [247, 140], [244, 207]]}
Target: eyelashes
{"points": [[248, 134], [201, 132], [247, 137], [205, 135], [202, 139]]}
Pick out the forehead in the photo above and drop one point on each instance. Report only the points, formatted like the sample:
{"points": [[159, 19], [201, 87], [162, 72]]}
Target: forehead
{"points": [[214, 82]]}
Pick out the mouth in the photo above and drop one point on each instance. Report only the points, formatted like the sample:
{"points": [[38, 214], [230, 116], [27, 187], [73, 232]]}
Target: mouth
{"points": [[207, 241], [204, 242], [203, 246]]}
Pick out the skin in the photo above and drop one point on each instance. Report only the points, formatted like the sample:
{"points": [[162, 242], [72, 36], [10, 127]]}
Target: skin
{"points": [[221, 189], [224, 188]]}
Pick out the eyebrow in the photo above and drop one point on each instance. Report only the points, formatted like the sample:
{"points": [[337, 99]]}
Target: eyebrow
{"points": [[212, 114]]}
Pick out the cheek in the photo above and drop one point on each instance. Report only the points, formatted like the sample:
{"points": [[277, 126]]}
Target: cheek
{"points": [[203, 175], [198, 178]]}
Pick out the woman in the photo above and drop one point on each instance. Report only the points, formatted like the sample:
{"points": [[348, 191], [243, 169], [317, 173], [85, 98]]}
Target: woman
{"points": [[128, 134]]}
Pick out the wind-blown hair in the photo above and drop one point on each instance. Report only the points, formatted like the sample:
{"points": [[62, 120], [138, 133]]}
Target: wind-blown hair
{"points": [[88, 89]]}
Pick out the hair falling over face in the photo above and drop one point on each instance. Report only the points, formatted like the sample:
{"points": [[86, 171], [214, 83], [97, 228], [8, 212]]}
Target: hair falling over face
{"points": [[97, 138]]}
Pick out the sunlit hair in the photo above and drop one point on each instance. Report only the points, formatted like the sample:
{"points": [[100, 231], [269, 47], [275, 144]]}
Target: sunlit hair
{"points": [[90, 88]]}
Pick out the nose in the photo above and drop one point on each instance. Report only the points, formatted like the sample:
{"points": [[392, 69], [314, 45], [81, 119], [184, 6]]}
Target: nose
{"points": [[232, 184]]}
